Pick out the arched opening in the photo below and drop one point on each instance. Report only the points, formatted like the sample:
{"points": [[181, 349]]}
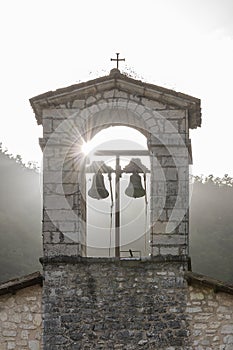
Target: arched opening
{"points": [[122, 152]]}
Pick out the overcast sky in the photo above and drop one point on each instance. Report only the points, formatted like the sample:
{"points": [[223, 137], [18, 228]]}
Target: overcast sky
{"points": [[186, 45]]}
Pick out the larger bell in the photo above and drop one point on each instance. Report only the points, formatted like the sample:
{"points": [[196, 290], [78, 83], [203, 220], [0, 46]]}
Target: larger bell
{"points": [[135, 188], [98, 190]]}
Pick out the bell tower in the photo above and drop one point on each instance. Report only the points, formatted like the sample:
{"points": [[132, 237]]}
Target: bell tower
{"points": [[112, 302]]}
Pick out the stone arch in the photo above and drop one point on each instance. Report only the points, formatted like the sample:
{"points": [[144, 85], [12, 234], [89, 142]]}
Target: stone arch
{"points": [[112, 117], [123, 114]]}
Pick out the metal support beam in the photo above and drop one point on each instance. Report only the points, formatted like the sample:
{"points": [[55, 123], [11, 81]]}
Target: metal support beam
{"points": [[117, 208]]}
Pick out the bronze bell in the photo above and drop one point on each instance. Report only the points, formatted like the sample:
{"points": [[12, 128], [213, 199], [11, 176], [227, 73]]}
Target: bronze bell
{"points": [[98, 190], [135, 188]]}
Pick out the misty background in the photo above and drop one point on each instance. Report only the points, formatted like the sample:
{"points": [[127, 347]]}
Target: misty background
{"points": [[211, 222]]}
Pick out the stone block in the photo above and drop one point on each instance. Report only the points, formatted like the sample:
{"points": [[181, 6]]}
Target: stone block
{"points": [[159, 227], [109, 94], [61, 215], [168, 161], [183, 173], [140, 110], [157, 148], [173, 114], [55, 164], [47, 126], [171, 126], [169, 240], [9, 333], [182, 126], [159, 188], [52, 177], [47, 237], [66, 226], [24, 334], [56, 202], [171, 174], [90, 100], [11, 345], [121, 94], [182, 228], [227, 329], [3, 316], [34, 345], [152, 104], [57, 125], [223, 309], [149, 119], [157, 201], [171, 188], [37, 320], [197, 296], [169, 250], [9, 325], [177, 215], [228, 339], [55, 237], [80, 104], [21, 344], [194, 309], [61, 249]]}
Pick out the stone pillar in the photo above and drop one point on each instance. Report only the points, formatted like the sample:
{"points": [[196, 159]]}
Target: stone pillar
{"points": [[63, 210], [170, 187]]}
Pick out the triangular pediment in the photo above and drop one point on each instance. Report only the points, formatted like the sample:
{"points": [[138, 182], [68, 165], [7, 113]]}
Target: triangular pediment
{"points": [[65, 97]]}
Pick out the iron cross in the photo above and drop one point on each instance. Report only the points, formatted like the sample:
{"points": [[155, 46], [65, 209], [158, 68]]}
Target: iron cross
{"points": [[117, 59]]}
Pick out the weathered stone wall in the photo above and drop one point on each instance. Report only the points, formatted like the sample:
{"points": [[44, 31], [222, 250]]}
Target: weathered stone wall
{"points": [[20, 316], [210, 318], [114, 305], [117, 305], [132, 305]]}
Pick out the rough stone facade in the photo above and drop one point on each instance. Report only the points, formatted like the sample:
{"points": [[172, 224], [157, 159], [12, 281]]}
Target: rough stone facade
{"points": [[21, 319], [210, 318], [114, 305], [145, 306]]}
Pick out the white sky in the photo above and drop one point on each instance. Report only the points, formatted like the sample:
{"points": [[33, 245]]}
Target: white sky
{"points": [[186, 45]]}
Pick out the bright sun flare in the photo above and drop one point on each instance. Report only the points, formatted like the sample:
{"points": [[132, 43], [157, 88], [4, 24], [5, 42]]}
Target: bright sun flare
{"points": [[86, 147]]}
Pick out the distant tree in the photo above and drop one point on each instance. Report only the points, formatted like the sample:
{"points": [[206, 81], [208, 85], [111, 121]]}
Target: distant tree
{"points": [[211, 226], [20, 217]]}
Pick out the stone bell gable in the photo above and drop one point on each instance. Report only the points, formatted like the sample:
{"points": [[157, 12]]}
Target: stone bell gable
{"points": [[75, 114]]}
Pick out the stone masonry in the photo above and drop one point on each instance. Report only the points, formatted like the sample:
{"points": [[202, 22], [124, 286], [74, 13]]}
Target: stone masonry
{"points": [[208, 311], [21, 319], [210, 318], [72, 115], [142, 305]]}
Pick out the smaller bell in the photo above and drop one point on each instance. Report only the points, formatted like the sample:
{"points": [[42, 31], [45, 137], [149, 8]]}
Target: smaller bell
{"points": [[135, 188], [98, 189]]}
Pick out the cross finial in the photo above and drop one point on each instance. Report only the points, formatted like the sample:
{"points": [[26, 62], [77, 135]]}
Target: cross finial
{"points": [[117, 59]]}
